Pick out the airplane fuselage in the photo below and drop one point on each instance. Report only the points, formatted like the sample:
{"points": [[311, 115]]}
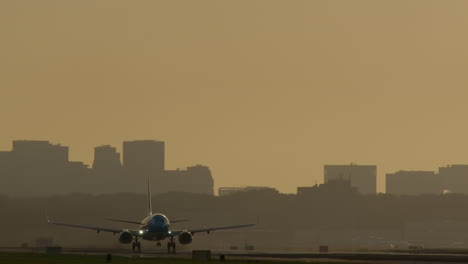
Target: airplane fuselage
{"points": [[155, 227]]}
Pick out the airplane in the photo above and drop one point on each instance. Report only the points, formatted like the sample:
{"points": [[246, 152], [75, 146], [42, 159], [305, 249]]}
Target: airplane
{"points": [[155, 227]]}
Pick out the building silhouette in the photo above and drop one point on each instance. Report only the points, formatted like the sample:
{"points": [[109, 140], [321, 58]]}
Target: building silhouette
{"points": [[35, 151], [195, 179], [335, 187], [455, 178], [41, 168], [413, 183], [107, 161], [35, 167], [362, 177]]}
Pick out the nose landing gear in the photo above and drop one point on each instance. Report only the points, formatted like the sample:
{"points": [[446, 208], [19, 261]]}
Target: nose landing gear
{"points": [[158, 244]]}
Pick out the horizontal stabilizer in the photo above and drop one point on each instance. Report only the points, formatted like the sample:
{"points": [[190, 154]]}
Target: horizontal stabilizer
{"points": [[125, 221]]}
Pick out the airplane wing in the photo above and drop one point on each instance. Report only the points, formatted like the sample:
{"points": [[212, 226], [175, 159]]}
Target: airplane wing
{"points": [[98, 229], [181, 220], [208, 230], [125, 221]]}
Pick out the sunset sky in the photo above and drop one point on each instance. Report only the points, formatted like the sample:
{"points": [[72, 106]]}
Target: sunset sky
{"points": [[262, 92]]}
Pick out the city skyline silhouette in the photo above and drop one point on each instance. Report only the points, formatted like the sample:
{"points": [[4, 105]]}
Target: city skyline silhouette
{"points": [[35, 167], [276, 88]]}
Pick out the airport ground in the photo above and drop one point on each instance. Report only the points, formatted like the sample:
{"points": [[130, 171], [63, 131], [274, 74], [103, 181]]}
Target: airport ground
{"points": [[41, 258], [75, 255]]}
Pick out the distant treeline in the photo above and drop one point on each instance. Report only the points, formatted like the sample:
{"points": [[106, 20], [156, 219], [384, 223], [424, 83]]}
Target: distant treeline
{"points": [[344, 219]]}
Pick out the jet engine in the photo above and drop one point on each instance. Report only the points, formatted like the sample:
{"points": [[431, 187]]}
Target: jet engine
{"points": [[185, 238], [125, 237]]}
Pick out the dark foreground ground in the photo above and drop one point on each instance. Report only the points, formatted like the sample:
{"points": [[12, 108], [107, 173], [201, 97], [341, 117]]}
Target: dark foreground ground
{"points": [[69, 256], [41, 258]]}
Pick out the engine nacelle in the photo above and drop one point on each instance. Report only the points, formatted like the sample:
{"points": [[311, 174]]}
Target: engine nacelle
{"points": [[125, 237], [185, 238]]}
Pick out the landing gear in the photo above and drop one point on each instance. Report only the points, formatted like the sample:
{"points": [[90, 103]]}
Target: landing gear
{"points": [[136, 245], [158, 244], [169, 246], [172, 245]]}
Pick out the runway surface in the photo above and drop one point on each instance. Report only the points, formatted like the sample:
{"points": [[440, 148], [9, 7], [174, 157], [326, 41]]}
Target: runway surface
{"points": [[344, 257]]}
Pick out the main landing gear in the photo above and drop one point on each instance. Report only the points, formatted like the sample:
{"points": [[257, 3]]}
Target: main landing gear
{"points": [[136, 245], [172, 245]]}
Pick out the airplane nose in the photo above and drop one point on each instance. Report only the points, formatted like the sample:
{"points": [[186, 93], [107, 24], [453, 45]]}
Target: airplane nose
{"points": [[157, 227]]}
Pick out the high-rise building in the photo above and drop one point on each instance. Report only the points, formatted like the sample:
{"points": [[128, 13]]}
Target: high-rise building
{"points": [[455, 178], [7, 169], [39, 167], [107, 161], [413, 183], [40, 151], [362, 177], [143, 158]]}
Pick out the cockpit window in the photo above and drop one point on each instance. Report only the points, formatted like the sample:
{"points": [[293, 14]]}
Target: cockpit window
{"points": [[158, 219]]}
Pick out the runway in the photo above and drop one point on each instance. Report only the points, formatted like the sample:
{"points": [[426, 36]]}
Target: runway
{"points": [[342, 257], [350, 257]]}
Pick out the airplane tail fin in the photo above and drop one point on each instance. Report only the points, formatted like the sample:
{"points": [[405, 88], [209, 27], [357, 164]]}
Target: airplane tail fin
{"points": [[150, 208]]}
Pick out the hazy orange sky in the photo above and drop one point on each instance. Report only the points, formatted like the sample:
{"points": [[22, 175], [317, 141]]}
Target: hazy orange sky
{"points": [[263, 92]]}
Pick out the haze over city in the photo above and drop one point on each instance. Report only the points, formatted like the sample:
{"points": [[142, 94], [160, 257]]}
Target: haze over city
{"points": [[262, 92], [247, 130]]}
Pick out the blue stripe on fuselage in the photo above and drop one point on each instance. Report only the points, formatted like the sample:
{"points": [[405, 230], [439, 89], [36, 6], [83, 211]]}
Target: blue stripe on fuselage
{"points": [[157, 227]]}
